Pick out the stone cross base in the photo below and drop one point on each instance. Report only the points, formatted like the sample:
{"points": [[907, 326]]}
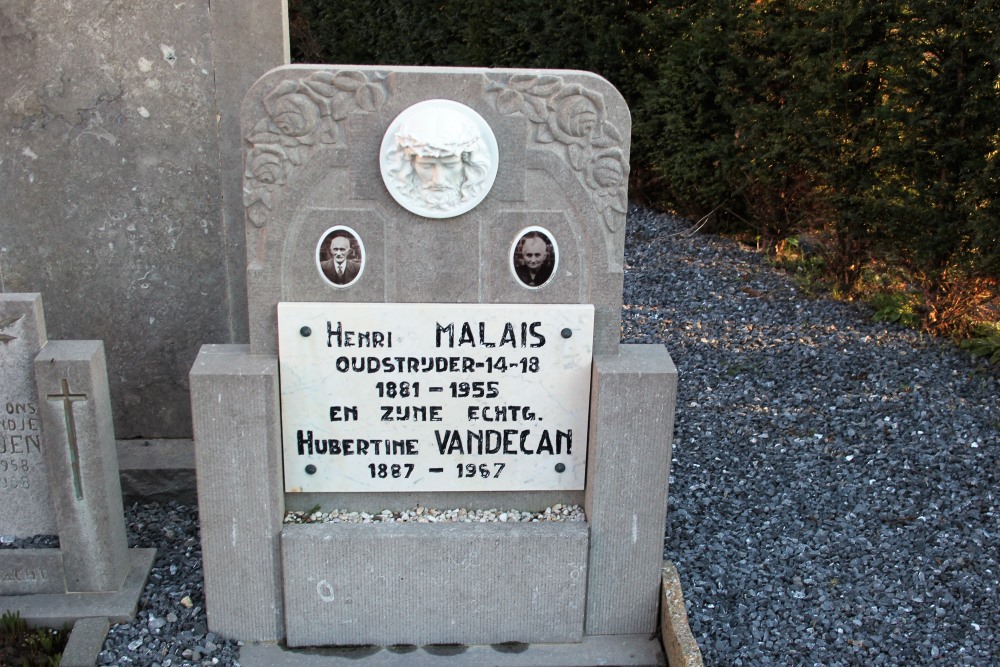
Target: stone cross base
{"points": [[58, 609]]}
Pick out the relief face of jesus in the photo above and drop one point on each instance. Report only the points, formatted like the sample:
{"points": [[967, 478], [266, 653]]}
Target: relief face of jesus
{"points": [[439, 159]]}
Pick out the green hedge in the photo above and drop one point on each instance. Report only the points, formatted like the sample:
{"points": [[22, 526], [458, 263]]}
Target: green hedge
{"points": [[873, 127]]}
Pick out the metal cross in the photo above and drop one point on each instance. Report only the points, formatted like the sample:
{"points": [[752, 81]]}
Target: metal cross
{"points": [[74, 451]]}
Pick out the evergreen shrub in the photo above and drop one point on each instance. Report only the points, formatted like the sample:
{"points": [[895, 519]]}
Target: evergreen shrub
{"points": [[870, 127]]}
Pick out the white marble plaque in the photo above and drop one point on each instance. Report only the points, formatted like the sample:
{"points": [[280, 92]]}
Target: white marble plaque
{"points": [[434, 397]]}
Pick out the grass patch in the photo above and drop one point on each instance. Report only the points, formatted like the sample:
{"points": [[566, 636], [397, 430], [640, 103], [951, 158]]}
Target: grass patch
{"points": [[21, 646]]}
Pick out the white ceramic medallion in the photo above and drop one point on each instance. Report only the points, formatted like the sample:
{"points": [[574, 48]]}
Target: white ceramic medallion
{"points": [[439, 159]]}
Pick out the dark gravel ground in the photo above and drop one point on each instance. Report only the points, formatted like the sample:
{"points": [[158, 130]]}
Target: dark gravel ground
{"points": [[833, 491]]}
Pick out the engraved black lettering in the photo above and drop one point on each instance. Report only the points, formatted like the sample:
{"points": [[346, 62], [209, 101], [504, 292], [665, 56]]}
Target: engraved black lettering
{"points": [[450, 330], [331, 332], [474, 438], [493, 441], [564, 437], [508, 336], [305, 441], [545, 444], [482, 336], [343, 413], [538, 337], [466, 337], [508, 443], [524, 437]]}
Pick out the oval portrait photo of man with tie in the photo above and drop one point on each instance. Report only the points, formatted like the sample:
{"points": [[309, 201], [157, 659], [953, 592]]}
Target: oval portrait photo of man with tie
{"points": [[534, 257], [340, 256]]}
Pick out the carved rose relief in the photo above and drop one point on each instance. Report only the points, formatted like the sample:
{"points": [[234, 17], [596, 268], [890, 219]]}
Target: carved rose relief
{"points": [[301, 114], [574, 118]]}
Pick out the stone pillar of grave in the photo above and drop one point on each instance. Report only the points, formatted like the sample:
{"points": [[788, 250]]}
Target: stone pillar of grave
{"points": [[82, 464], [632, 401], [237, 429]]}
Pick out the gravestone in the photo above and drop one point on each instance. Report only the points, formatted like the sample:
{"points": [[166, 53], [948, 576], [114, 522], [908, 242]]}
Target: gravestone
{"points": [[434, 271], [24, 485], [71, 464]]}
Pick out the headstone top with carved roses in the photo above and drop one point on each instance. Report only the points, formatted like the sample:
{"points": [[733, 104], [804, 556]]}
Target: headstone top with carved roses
{"points": [[523, 201]]}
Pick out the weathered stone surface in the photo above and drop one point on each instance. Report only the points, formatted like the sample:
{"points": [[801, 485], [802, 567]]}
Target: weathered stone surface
{"points": [[476, 583], [681, 648], [85, 642], [249, 37], [83, 466], [54, 610], [631, 429], [29, 571], [312, 137], [237, 433], [25, 502], [157, 471], [110, 155]]}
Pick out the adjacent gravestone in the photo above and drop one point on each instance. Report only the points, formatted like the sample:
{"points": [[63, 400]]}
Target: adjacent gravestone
{"points": [[92, 573], [434, 267], [25, 503]]}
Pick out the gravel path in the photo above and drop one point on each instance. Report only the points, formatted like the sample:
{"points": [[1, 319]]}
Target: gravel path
{"points": [[833, 490], [834, 480]]}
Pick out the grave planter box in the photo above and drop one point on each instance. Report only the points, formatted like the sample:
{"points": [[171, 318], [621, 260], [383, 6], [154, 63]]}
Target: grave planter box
{"points": [[481, 583]]}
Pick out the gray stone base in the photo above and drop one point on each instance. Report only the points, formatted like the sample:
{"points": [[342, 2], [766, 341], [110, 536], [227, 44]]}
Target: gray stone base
{"points": [[58, 609], [440, 583], [85, 642], [619, 650]]}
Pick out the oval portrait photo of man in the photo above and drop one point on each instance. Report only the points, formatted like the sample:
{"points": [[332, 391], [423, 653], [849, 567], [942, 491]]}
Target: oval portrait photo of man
{"points": [[340, 256], [534, 257]]}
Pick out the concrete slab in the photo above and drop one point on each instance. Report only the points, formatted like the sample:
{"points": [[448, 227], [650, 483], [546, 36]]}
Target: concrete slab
{"points": [[617, 650], [56, 610], [25, 499], [311, 137], [75, 405], [85, 642], [428, 583], [157, 470]]}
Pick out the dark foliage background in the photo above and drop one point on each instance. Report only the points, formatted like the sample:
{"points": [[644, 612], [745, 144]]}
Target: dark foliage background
{"points": [[865, 132]]}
